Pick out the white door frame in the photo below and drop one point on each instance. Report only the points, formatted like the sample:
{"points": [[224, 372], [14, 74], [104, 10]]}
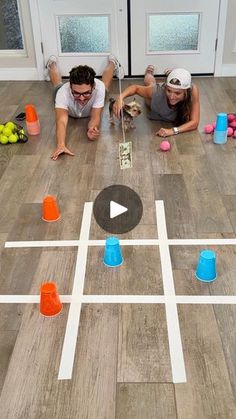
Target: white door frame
{"points": [[35, 19], [220, 38], [38, 37]]}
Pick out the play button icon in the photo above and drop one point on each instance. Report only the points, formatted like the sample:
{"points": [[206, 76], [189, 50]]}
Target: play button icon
{"points": [[117, 209]]}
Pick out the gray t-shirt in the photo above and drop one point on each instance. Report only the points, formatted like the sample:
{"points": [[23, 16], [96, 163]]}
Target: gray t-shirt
{"points": [[160, 111]]}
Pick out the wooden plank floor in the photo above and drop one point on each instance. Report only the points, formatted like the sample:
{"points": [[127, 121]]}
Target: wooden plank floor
{"points": [[122, 367]]}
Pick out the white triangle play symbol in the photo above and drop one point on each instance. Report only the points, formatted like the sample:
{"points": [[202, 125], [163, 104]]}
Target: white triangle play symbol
{"points": [[116, 209]]}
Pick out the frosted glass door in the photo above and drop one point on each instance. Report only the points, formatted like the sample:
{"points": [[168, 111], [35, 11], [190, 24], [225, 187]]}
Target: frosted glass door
{"points": [[84, 32], [11, 38], [171, 34]]}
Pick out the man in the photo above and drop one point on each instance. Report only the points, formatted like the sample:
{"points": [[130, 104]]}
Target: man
{"points": [[83, 96]]}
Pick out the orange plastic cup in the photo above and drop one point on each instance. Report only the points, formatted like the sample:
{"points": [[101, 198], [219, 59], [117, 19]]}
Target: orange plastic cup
{"points": [[50, 304], [31, 119], [50, 209], [30, 113]]}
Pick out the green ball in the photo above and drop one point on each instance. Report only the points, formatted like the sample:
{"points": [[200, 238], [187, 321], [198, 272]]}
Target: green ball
{"points": [[10, 125], [1, 128], [3, 139], [13, 138]]}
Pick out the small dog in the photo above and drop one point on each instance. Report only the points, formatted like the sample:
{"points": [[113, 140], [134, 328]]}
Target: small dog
{"points": [[130, 110]]}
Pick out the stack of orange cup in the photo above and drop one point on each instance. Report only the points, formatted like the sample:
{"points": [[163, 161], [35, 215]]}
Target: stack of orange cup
{"points": [[50, 304], [32, 121], [50, 209]]}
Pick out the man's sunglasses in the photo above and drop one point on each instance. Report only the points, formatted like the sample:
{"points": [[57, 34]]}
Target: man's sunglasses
{"points": [[84, 94]]}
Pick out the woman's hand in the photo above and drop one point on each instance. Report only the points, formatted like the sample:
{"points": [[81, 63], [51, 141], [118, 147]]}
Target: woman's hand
{"points": [[61, 150], [165, 132], [117, 106]]}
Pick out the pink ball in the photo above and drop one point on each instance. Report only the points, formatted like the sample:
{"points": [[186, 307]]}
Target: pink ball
{"points": [[233, 124], [234, 134], [231, 117], [165, 145], [214, 125], [230, 132], [208, 129]]}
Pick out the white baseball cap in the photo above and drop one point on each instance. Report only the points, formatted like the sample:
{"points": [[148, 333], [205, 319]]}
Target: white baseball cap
{"points": [[179, 78]]}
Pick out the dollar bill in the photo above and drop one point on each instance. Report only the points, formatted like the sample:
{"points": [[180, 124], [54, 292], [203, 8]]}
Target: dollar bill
{"points": [[125, 155]]}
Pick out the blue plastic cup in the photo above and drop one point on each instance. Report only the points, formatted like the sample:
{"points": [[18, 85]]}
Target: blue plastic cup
{"points": [[220, 133], [221, 122], [112, 253], [206, 268]]}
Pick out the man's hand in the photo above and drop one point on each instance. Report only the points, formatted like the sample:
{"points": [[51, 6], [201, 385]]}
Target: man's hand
{"points": [[93, 133], [61, 150], [165, 132]]}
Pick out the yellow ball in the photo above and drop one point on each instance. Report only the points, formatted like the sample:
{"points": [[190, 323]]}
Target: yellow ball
{"points": [[1, 127], [10, 125], [13, 138], [6, 131], [3, 139]]}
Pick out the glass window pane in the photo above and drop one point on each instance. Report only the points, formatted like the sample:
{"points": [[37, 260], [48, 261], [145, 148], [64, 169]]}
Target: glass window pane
{"points": [[10, 30], [84, 33], [177, 32]]}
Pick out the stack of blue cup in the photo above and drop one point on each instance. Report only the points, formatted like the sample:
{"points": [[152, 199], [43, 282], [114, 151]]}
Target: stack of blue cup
{"points": [[220, 133], [112, 253], [206, 268]]}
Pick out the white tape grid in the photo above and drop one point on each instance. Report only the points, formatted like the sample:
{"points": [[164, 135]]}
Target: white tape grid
{"points": [[72, 327], [124, 299], [170, 299], [123, 242], [172, 318]]}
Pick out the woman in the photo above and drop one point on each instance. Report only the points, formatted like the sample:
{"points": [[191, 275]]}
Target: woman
{"points": [[176, 100]]}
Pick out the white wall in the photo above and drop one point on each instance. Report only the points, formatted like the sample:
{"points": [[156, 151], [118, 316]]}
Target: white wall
{"points": [[229, 50]]}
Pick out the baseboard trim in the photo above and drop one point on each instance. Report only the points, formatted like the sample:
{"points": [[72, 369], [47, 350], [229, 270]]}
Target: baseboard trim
{"points": [[228, 70], [19, 73]]}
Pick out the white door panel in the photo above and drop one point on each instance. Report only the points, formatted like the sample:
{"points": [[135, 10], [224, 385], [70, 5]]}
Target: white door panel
{"points": [[171, 34], [60, 33]]}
